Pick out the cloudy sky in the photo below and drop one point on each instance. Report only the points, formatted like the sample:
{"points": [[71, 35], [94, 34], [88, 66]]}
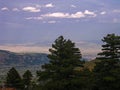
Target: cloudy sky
{"points": [[35, 24]]}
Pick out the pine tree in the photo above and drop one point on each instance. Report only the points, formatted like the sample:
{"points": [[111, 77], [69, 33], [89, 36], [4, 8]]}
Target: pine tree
{"points": [[111, 49], [27, 77], [13, 79], [107, 70], [64, 58]]}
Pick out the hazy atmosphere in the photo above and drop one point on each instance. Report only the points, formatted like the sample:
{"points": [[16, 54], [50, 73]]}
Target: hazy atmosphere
{"points": [[33, 25]]}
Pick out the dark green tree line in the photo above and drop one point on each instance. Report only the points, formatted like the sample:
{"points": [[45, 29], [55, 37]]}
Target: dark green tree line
{"points": [[59, 73], [107, 71], [27, 77], [111, 48], [13, 79], [62, 73]]}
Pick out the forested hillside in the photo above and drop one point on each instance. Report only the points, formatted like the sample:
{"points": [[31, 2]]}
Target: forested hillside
{"points": [[67, 71], [10, 58]]}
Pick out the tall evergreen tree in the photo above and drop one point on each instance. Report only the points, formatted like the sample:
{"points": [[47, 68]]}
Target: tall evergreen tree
{"points": [[13, 79], [111, 48], [107, 70], [64, 58], [27, 77]]}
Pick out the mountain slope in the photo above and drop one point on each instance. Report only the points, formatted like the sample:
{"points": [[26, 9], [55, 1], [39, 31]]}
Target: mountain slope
{"points": [[7, 57]]}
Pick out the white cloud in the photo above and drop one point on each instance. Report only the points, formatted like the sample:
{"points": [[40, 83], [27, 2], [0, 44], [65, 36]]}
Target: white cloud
{"points": [[79, 14], [51, 22], [31, 9], [87, 12], [76, 15], [50, 5], [57, 15], [73, 6], [4, 9], [64, 15], [34, 18], [102, 13], [15, 9]]}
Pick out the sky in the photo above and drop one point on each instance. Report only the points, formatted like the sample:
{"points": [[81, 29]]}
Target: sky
{"points": [[33, 25]]}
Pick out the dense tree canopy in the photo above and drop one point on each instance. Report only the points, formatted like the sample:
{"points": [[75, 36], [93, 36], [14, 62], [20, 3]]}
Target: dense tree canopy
{"points": [[13, 79], [27, 77], [66, 71], [111, 48], [107, 70], [64, 58]]}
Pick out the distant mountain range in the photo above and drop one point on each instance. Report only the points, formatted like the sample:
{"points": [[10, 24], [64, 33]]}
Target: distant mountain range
{"points": [[11, 58]]}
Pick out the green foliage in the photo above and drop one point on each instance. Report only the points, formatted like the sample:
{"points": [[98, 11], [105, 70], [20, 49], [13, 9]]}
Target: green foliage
{"points": [[107, 71], [111, 49], [13, 79], [65, 70], [107, 76], [64, 58], [27, 77], [10, 58]]}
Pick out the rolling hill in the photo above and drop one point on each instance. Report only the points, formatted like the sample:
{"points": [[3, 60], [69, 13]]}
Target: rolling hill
{"points": [[9, 58]]}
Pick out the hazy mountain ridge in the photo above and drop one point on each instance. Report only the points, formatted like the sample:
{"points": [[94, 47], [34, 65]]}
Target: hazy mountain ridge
{"points": [[86, 47], [9, 58]]}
